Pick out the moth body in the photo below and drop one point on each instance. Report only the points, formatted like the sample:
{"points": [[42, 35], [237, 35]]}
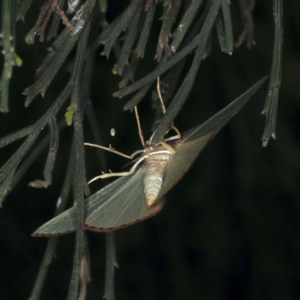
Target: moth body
{"points": [[156, 162]]}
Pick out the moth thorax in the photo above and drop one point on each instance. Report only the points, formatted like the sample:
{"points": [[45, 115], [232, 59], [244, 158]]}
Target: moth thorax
{"points": [[153, 180]]}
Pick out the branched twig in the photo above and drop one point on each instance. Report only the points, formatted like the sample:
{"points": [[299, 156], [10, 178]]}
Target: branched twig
{"points": [[186, 86], [46, 12], [42, 83], [64, 18]]}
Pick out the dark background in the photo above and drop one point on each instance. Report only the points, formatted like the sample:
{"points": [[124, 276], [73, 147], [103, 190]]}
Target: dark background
{"points": [[229, 228]]}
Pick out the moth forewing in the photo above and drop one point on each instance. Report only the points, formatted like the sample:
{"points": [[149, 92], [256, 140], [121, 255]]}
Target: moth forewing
{"points": [[65, 222], [180, 162], [125, 207]]}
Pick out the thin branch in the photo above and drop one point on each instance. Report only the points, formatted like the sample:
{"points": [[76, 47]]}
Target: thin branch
{"points": [[270, 109], [79, 179], [51, 246], [10, 57]]}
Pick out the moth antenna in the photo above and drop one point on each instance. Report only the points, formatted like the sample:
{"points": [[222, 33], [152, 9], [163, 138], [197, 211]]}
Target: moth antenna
{"points": [[160, 96], [139, 126], [111, 149], [172, 126]]}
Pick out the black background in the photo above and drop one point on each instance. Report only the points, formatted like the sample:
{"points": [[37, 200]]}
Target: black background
{"points": [[229, 228]]}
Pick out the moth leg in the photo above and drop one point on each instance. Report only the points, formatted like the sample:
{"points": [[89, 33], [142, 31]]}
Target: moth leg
{"points": [[172, 126], [106, 175], [110, 149], [171, 138], [168, 147], [160, 96], [119, 174]]}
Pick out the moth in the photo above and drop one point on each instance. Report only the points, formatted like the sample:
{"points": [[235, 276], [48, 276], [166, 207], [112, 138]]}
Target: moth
{"points": [[132, 198]]}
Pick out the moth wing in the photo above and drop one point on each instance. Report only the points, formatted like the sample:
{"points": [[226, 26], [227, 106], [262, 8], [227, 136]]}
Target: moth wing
{"points": [[125, 207], [191, 144], [217, 121], [65, 222], [181, 161]]}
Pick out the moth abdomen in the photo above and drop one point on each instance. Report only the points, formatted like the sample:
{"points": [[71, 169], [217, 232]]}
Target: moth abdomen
{"points": [[153, 179]]}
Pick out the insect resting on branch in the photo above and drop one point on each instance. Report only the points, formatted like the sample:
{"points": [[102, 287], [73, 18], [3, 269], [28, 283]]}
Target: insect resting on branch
{"points": [[137, 195]]}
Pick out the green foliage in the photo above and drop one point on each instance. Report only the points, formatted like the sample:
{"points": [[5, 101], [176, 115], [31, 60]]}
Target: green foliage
{"points": [[69, 115], [225, 238]]}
